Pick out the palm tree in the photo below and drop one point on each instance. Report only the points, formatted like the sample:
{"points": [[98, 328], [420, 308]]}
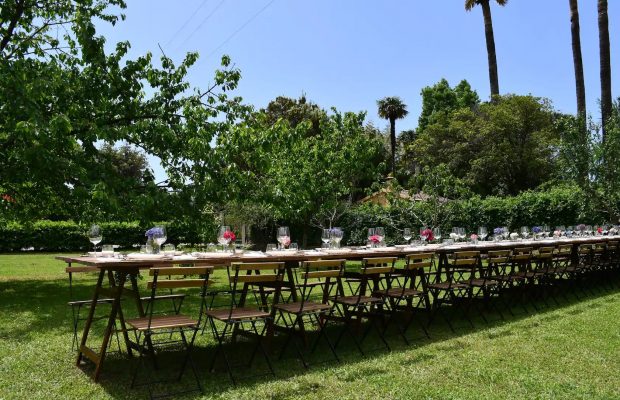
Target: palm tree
{"points": [[580, 86], [392, 108], [488, 30], [604, 50]]}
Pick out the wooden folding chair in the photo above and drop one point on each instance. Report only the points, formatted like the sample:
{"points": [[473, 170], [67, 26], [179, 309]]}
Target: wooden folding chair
{"points": [[267, 275], [486, 288], [296, 315], [456, 290], [407, 293], [501, 269], [357, 307], [147, 328]]}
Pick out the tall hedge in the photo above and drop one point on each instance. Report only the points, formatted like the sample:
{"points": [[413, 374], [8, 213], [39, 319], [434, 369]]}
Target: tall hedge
{"points": [[70, 236]]}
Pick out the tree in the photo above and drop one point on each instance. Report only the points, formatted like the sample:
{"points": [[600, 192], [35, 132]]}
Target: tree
{"points": [[441, 98], [490, 39], [580, 86], [392, 108], [501, 148], [298, 176], [604, 52], [295, 111], [63, 94]]}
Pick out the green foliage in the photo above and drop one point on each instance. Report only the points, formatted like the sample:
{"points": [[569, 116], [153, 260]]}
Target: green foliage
{"points": [[297, 175], [70, 236], [563, 205], [502, 148], [63, 95], [441, 99]]}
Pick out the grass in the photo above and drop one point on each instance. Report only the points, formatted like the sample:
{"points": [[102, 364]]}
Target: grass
{"points": [[571, 351]]}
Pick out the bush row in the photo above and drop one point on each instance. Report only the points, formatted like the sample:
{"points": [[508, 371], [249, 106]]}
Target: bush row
{"points": [[556, 206], [71, 236]]}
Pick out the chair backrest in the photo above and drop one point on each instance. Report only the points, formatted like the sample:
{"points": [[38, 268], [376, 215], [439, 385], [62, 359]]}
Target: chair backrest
{"points": [[178, 278], [564, 250], [545, 253], [377, 266], [499, 256], [325, 271], [419, 261], [262, 274], [78, 270], [418, 267]]}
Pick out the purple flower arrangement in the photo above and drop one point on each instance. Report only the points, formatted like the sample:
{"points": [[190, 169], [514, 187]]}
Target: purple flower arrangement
{"points": [[537, 229], [153, 232], [498, 231]]}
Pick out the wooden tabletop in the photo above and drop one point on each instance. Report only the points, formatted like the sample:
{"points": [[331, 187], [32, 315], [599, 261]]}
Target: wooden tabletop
{"points": [[308, 255]]}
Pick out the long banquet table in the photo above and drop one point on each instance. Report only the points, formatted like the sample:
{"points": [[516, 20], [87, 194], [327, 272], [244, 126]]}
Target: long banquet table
{"points": [[118, 270]]}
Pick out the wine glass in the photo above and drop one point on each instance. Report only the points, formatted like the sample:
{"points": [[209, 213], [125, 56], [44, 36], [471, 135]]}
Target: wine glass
{"points": [[159, 235], [462, 233], [94, 236], [325, 236], [588, 230], [407, 235], [380, 233], [284, 236], [525, 232], [336, 236], [505, 232], [424, 234], [371, 236], [223, 237], [437, 234], [545, 231], [455, 234], [482, 232]]}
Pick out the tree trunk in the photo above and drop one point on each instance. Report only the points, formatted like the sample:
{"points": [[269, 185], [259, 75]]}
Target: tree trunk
{"points": [[393, 143], [604, 50], [488, 30], [580, 87]]}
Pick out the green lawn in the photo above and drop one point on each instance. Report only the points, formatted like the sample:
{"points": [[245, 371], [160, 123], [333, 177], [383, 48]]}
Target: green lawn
{"points": [[571, 352]]}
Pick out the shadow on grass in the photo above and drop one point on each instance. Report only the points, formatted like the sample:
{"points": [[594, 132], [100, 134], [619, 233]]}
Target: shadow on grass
{"points": [[45, 304]]}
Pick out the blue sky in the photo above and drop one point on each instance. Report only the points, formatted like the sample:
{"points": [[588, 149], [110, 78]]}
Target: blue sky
{"points": [[349, 53]]}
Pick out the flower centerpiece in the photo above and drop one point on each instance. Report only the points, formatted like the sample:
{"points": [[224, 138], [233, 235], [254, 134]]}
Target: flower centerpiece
{"points": [[151, 244], [497, 234], [514, 236], [375, 240], [599, 230], [536, 231], [613, 231], [474, 238], [427, 235], [230, 237], [454, 236], [557, 233]]}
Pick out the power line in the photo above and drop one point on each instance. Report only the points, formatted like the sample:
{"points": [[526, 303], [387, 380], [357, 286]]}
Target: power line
{"points": [[202, 23], [192, 15], [246, 23]]}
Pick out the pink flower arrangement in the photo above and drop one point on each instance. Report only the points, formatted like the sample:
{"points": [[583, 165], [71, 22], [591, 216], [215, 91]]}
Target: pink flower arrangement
{"points": [[375, 239], [230, 235], [286, 242], [599, 230], [428, 233], [474, 237]]}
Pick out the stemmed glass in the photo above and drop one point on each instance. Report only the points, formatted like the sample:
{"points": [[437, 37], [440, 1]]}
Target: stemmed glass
{"points": [[94, 236], [159, 237], [455, 234], [336, 236], [284, 236], [482, 232], [223, 238], [545, 231], [569, 231], [423, 234], [525, 231], [371, 236], [325, 236], [380, 233], [437, 234], [462, 233], [407, 235], [588, 230]]}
